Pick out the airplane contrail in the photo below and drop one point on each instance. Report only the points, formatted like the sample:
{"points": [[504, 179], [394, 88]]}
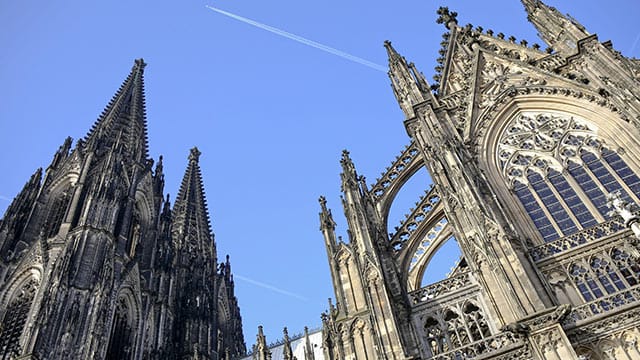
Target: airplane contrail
{"points": [[301, 40], [633, 46], [270, 287]]}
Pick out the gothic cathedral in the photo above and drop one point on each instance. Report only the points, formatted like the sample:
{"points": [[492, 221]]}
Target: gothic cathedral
{"points": [[96, 264], [535, 161]]}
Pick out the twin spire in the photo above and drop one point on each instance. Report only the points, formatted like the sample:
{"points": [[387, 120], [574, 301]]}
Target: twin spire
{"points": [[122, 126]]}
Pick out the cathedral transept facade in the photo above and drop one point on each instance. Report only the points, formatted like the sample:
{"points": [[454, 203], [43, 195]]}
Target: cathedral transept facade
{"points": [[534, 158]]}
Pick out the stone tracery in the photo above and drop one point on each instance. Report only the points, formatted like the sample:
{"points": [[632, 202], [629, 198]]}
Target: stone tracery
{"points": [[561, 171]]}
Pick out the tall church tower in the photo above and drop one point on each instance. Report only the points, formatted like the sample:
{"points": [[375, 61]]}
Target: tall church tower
{"points": [[93, 260], [534, 159]]}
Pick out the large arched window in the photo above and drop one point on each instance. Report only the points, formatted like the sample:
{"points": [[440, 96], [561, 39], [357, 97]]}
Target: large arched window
{"points": [[561, 171], [15, 319]]}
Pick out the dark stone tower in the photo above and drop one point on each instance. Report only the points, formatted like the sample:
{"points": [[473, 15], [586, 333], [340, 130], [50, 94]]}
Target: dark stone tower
{"points": [[94, 262]]}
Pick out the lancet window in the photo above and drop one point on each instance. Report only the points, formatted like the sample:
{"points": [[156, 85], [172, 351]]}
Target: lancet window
{"points": [[120, 341], [15, 319], [56, 214], [561, 172]]}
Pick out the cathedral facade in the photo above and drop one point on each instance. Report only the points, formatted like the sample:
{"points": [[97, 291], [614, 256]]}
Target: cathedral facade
{"points": [[535, 161], [95, 263]]}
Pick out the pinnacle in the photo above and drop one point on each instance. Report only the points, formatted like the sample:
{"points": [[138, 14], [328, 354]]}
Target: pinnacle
{"points": [[447, 17], [346, 162], [323, 203], [391, 52]]}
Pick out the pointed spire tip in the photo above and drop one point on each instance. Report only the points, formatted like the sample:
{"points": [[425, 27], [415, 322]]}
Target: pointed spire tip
{"points": [[140, 63], [194, 154]]}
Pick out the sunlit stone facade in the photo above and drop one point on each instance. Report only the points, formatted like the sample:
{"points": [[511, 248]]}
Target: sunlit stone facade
{"points": [[534, 157]]}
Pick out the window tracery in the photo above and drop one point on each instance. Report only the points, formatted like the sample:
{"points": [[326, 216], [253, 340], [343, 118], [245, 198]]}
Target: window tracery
{"points": [[435, 338], [628, 266], [561, 171], [605, 273], [56, 214], [15, 319], [455, 327]]}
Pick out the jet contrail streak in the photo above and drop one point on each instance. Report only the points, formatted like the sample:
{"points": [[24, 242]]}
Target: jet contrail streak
{"points": [[270, 287], [633, 47], [302, 40]]}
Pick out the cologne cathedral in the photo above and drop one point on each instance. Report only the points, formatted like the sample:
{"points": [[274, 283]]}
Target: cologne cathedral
{"points": [[534, 156], [95, 263]]}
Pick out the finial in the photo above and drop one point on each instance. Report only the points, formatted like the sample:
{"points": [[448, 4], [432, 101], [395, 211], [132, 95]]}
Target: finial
{"points": [[345, 155], [285, 332], [323, 203], [446, 17], [194, 154], [140, 63], [347, 163]]}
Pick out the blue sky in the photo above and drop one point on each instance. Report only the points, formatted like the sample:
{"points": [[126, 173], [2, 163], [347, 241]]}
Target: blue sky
{"points": [[270, 115]]}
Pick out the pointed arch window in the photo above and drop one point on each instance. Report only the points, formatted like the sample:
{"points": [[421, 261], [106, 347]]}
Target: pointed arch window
{"points": [[561, 171], [476, 322], [120, 340], [15, 319], [56, 214]]}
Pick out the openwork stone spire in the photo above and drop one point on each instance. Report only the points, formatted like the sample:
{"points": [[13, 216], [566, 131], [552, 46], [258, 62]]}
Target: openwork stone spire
{"points": [[560, 32], [123, 123], [191, 218]]}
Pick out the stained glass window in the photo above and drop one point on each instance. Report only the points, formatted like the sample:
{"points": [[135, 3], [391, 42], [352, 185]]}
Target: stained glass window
{"points": [[561, 172]]}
